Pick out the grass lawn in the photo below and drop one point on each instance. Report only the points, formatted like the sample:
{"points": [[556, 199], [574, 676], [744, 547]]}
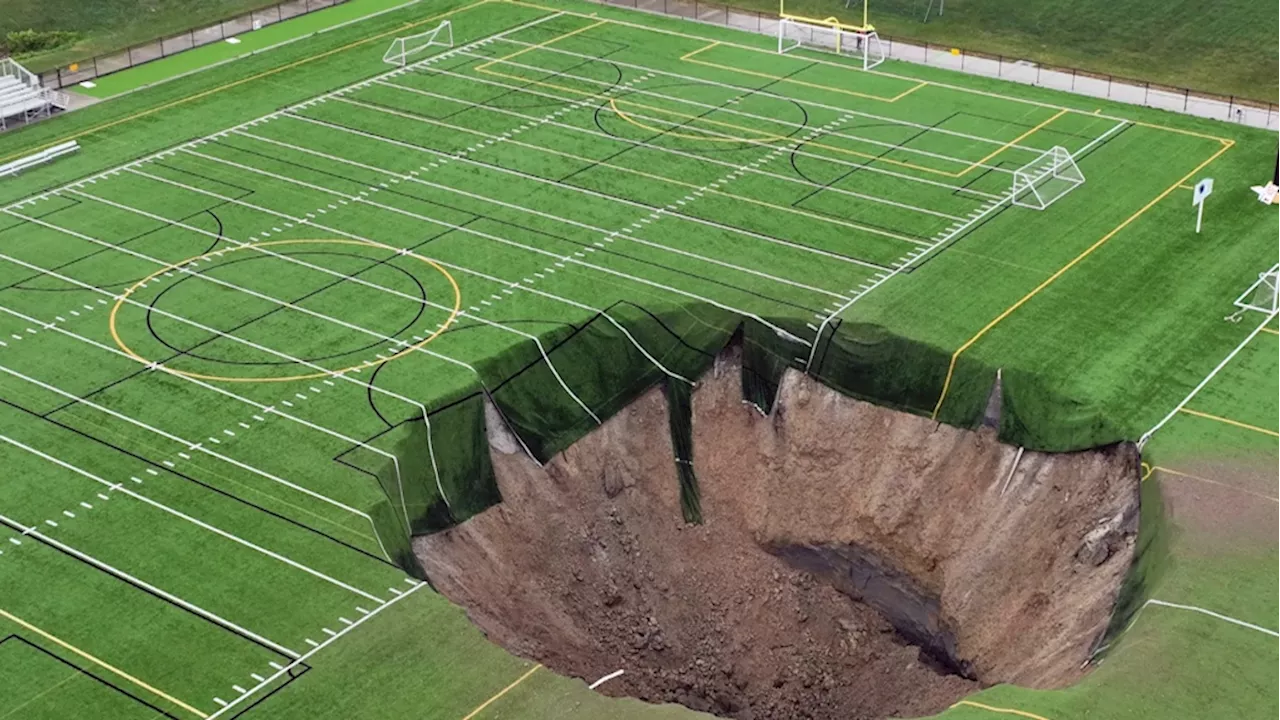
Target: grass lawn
{"points": [[249, 329], [104, 26]]}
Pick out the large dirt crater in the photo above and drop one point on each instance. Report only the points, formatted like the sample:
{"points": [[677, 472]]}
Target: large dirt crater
{"points": [[853, 561]]}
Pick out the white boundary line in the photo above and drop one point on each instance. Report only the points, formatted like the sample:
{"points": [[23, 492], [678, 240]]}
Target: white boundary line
{"points": [[332, 638], [1179, 606], [199, 523], [210, 616], [1213, 373]]}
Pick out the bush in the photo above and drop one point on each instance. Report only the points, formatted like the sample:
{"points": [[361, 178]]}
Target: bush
{"points": [[25, 42]]}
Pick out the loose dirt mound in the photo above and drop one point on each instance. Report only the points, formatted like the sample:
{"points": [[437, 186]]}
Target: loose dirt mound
{"points": [[855, 562]]}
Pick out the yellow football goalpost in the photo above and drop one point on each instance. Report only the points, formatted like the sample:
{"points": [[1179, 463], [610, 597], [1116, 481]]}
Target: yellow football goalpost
{"points": [[859, 41]]}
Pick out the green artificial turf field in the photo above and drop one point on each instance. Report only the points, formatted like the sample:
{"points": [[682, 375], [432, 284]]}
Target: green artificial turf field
{"points": [[245, 333]]}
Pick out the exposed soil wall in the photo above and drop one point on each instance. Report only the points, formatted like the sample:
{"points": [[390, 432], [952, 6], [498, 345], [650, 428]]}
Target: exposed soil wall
{"points": [[854, 561]]}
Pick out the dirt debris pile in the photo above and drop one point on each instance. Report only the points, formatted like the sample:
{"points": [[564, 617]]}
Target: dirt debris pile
{"points": [[854, 561]]}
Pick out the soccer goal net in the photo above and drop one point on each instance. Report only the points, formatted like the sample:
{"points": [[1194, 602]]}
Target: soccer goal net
{"points": [[1260, 297], [403, 48], [1041, 182], [860, 43]]}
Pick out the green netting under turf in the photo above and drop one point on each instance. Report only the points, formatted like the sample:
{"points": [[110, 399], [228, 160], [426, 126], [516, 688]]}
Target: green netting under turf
{"points": [[553, 391]]}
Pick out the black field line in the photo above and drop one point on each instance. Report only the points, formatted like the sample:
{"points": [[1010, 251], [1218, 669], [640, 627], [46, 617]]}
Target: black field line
{"points": [[849, 173], [580, 244], [91, 675], [125, 241], [192, 479], [243, 324], [740, 96], [135, 584]]}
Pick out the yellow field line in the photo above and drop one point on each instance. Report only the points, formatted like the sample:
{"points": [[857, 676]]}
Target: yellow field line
{"points": [[1013, 142], [946, 385], [228, 86], [1184, 186], [500, 693], [1004, 711], [1229, 486], [1229, 421], [542, 44], [1273, 331], [688, 57], [100, 663]]}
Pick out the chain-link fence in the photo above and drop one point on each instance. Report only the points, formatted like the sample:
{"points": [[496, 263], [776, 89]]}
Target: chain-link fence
{"points": [[100, 65], [1074, 80]]}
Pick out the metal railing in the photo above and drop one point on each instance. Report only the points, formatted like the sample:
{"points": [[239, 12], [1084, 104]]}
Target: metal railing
{"points": [[100, 65], [1074, 80]]}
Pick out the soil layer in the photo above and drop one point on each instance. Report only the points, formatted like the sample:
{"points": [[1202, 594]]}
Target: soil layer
{"points": [[854, 561]]}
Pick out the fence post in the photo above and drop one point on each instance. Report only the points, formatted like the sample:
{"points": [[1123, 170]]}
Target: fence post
{"points": [[1186, 98], [1073, 79], [129, 50], [999, 66], [59, 78], [1110, 79], [1146, 93]]}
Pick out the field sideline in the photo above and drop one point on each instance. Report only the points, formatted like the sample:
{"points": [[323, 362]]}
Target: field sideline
{"points": [[223, 322]]}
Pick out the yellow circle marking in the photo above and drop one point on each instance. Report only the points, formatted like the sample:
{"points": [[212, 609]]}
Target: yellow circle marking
{"points": [[765, 136], [453, 314]]}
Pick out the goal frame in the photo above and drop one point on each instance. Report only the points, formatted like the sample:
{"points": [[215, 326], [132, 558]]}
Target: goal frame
{"points": [[1030, 180], [862, 38], [403, 47], [1246, 302]]}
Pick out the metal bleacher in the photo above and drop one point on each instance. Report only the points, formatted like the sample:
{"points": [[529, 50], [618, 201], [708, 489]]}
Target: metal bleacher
{"points": [[22, 98]]}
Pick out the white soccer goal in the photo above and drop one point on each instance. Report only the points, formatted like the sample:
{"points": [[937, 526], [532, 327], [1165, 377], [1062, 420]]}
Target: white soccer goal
{"points": [[860, 43], [403, 48], [1043, 181], [1260, 297]]}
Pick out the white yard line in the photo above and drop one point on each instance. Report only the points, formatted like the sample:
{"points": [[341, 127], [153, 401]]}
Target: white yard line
{"points": [[320, 268], [185, 269], [265, 409], [459, 228], [120, 574], [118, 487], [553, 183], [280, 672], [494, 201], [786, 98], [630, 141], [189, 445]]}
